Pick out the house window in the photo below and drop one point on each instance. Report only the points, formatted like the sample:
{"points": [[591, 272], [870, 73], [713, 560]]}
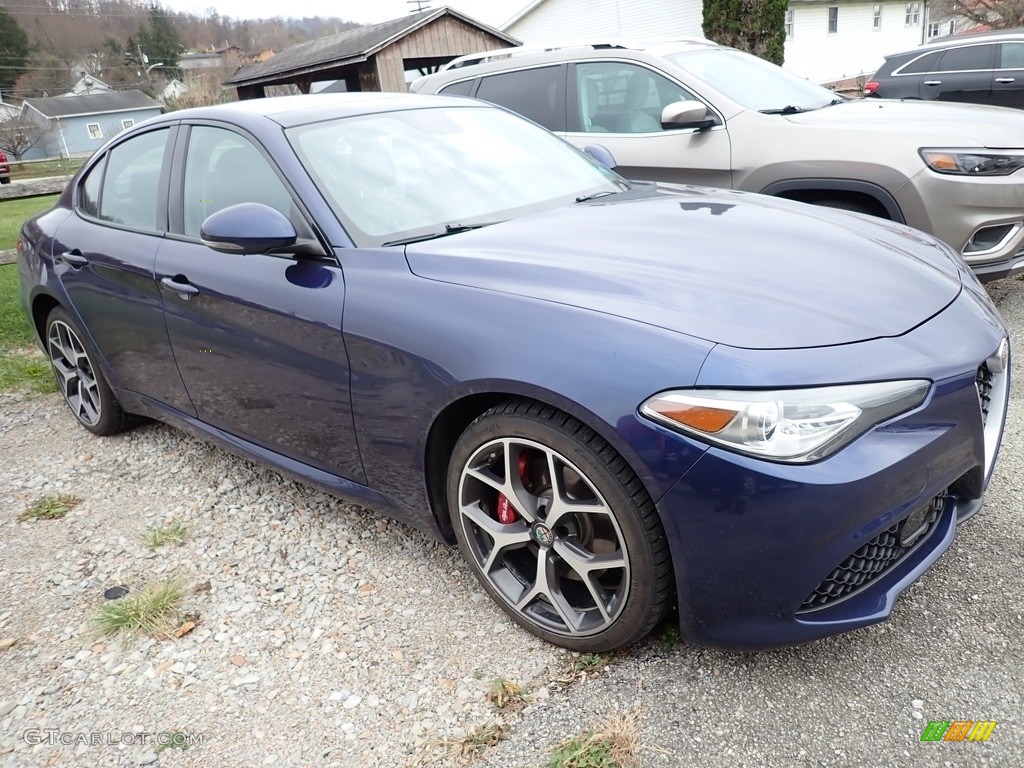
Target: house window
{"points": [[833, 19], [789, 23], [876, 23], [913, 16], [94, 131], [126, 124]]}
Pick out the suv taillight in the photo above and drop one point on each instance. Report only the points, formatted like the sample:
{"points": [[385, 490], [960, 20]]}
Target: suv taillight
{"points": [[870, 88]]}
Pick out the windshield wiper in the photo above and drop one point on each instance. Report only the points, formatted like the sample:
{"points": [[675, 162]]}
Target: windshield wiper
{"points": [[588, 198], [449, 229], [789, 109]]}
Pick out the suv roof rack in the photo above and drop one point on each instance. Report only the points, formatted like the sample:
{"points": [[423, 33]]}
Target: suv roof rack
{"points": [[500, 53]]}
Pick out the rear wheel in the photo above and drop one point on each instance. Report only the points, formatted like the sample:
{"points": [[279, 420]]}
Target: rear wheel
{"points": [[558, 529], [80, 379]]}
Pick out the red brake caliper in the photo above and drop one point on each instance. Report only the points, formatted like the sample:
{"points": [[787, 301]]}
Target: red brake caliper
{"points": [[506, 512]]}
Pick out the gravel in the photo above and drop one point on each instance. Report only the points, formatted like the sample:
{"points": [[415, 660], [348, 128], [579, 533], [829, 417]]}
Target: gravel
{"points": [[330, 636]]}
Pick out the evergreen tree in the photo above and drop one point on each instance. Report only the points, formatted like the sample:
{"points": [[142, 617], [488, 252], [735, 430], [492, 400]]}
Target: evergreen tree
{"points": [[160, 40], [755, 26], [14, 50]]}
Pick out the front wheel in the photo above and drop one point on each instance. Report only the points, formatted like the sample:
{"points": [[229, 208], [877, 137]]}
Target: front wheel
{"points": [[80, 379], [558, 529]]}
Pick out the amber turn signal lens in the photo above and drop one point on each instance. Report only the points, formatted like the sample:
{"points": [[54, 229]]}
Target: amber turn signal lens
{"points": [[709, 420]]}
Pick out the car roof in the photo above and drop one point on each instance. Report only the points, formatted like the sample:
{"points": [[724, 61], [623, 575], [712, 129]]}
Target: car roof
{"points": [[951, 41], [563, 51], [290, 111]]}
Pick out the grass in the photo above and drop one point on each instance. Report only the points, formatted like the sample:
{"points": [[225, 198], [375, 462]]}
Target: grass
{"points": [[50, 508], [14, 212], [22, 367], [479, 738], [614, 744], [165, 534], [41, 169], [154, 610]]}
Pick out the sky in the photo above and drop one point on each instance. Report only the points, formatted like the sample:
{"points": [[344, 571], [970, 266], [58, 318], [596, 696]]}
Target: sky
{"points": [[492, 12]]}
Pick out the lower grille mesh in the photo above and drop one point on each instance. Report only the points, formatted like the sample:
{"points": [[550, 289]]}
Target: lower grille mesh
{"points": [[983, 381], [872, 559]]}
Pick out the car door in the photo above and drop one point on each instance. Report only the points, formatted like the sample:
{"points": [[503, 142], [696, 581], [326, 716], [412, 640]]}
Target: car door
{"points": [[1008, 76], [618, 105], [104, 255], [963, 74], [257, 337]]}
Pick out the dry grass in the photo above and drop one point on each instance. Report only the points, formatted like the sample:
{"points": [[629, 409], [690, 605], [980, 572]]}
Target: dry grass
{"points": [[613, 744], [507, 696], [166, 534]]}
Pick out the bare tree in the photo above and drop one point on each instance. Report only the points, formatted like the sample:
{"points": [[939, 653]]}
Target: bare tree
{"points": [[994, 14], [19, 134]]}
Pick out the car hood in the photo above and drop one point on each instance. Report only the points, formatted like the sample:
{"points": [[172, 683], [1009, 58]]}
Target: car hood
{"points": [[972, 125], [729, 267]]}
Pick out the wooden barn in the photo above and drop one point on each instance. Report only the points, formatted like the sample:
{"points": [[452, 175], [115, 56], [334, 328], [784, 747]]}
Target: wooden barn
{"points": [[375, 57]]}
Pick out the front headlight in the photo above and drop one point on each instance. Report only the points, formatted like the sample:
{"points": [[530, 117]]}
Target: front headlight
{"points": [[795, 426], [974, 162]]}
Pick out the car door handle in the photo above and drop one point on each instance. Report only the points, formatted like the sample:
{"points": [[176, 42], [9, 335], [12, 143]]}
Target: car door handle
{"points": [[73, 258], [933, 82], [1004, 79], [180, 285]]}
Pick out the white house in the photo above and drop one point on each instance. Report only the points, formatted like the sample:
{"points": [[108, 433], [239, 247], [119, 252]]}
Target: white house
{"points": [[551, 20], [826, 40]]}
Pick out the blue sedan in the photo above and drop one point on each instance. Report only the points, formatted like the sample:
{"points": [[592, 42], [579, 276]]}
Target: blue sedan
{"points": [[619, 399]]}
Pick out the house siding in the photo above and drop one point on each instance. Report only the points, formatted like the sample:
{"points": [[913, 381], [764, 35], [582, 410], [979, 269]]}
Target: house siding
{"points": [[609, 19], [856, 48], [75, 130]]}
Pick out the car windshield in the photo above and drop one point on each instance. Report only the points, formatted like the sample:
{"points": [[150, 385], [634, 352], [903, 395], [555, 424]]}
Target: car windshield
{"points": [[752, 82], [421, 173]]}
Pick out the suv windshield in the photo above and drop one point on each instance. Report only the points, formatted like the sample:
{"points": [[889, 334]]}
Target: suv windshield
{"points": [[752, 82], [421, 173]]}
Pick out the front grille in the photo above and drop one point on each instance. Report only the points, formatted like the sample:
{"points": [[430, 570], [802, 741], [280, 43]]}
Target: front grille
{"points": [[874, 558], [983, 381]]}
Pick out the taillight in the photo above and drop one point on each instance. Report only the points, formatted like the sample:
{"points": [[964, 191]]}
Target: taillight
{"points": [[870, 88]]}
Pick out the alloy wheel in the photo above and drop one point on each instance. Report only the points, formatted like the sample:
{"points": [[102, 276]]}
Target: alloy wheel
{"points": [[543, 537], [74, 371]]}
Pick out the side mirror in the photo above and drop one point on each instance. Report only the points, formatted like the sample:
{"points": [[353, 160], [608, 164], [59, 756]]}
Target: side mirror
{"points": [[602, 155], [686, 114], [248, 228]]}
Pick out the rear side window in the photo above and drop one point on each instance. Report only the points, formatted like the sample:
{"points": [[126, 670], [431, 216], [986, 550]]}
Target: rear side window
{"points": [[89, 197], [533, 93], [968, 58], [927, 63], [1011, 56], [463, 88], [131, 184]]}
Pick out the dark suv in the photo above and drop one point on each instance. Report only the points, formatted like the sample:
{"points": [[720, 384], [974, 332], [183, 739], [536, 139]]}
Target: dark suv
{"points": [[986, 68]]}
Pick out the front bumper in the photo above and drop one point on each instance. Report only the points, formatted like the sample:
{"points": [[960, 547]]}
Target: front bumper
{"points": [[981, 218], [754, 542]]}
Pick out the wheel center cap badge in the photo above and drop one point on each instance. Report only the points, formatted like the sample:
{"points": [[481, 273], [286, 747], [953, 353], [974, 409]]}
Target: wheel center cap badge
{"points": [[543, 535]]}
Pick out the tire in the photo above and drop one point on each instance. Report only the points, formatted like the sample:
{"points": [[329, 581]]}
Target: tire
{"points": [[587, 568], [80, 379]]}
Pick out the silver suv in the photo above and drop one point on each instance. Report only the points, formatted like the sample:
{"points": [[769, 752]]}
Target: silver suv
{"points": [[695, 112]]}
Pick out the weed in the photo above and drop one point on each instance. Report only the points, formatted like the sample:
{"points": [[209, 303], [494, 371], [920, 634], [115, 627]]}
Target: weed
{"points": [[613, 744], [50, 508], [507, 695], [589, 663], [153, 610], [165, 534]]}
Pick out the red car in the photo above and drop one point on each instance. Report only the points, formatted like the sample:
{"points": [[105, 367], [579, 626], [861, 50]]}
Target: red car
{"points": [[5, 169]]}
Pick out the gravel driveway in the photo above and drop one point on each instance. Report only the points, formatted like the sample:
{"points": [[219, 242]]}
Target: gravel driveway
{"points": [[330, 636]]}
